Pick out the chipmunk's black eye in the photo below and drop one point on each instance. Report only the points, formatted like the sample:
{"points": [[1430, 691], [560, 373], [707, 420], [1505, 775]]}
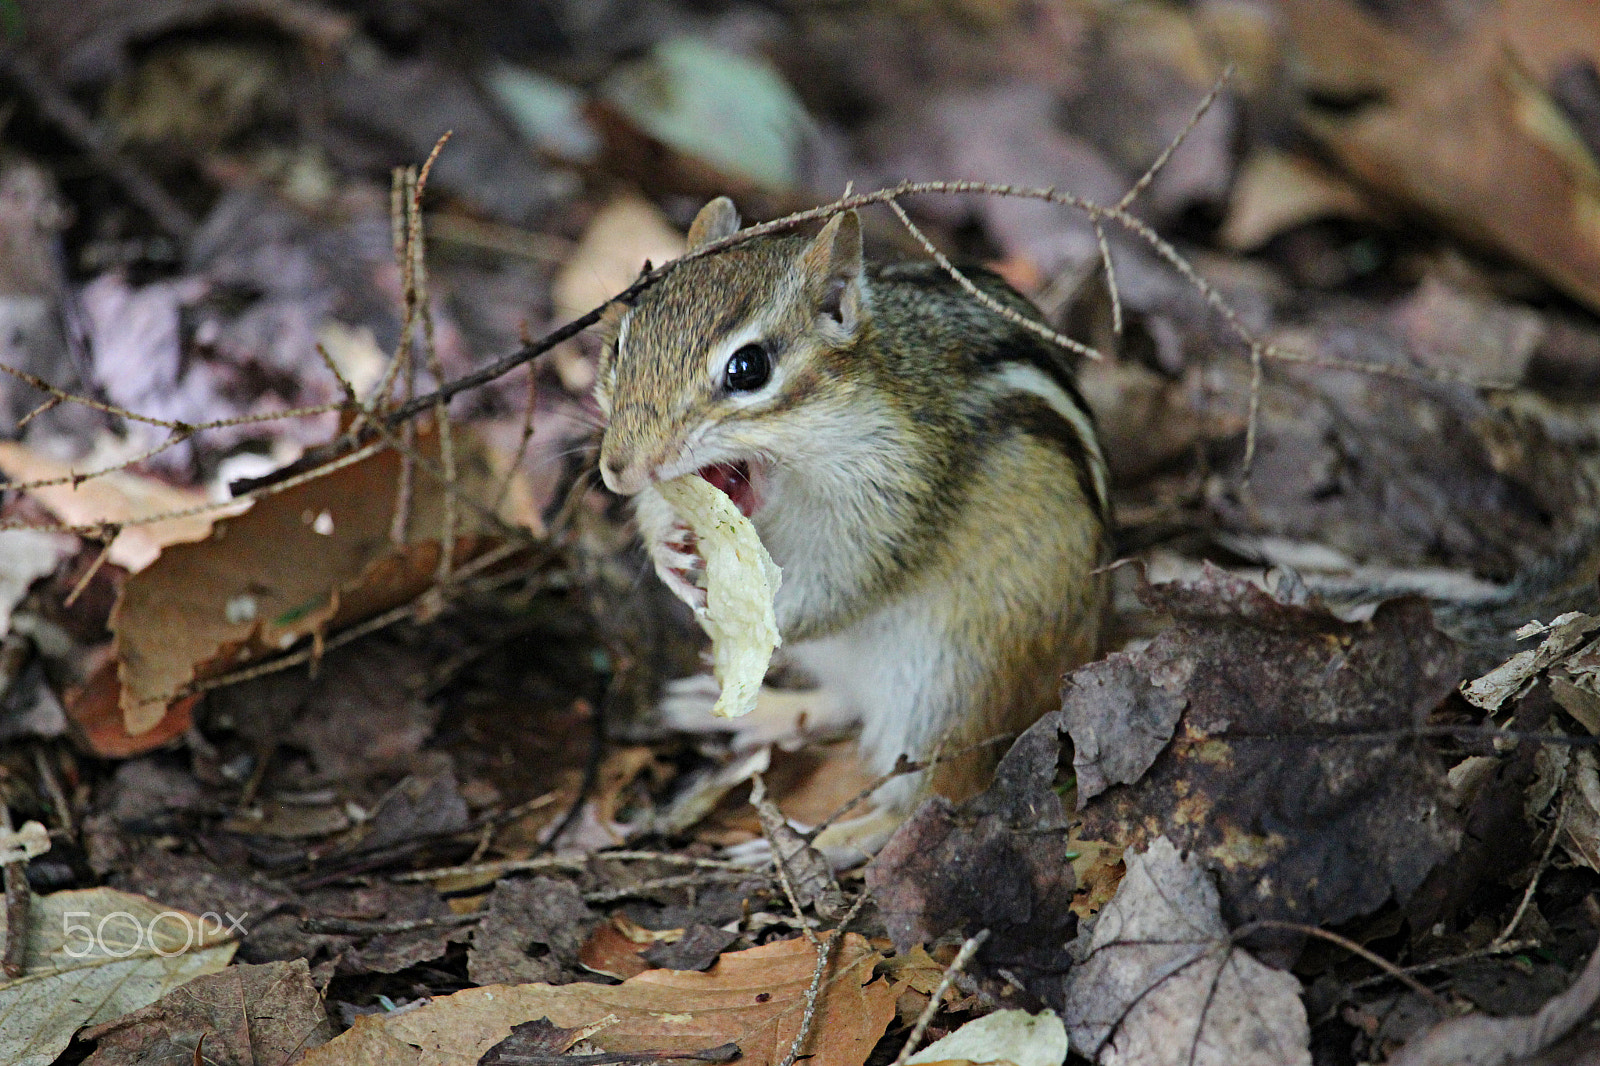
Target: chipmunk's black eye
{"points": [[748, 369]]}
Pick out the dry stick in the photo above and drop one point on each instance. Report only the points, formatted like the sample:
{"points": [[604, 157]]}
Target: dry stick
{"points": [[76, 478], [972, 944], [506, 363], [358, 927], [559, 862], [814, 990], [165, 423], [14, 959], [1111, 277], [61, 111], [441, 410], [110, 538], [1351, 946], [401, 189], [1195, 116], [49, 404], [1033, 326], [1508, 948], [1544, 864], [709, 877], [226, 506], [52, 789]]}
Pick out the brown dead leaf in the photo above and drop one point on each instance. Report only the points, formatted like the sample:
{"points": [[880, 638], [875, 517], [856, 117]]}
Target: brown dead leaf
{"points": [[1465, 128], [262, 1014], [997, 862], [616, 948], [314, 557], [754, 998], [533, 931], [1290, 772], [1275, 191]]}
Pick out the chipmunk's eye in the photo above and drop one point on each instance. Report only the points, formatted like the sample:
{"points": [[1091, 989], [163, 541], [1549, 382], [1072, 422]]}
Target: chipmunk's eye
{"points": [[748, 369]]}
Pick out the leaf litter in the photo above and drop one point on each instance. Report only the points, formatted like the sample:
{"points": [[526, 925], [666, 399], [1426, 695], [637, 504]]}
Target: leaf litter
{"points": [[481, 795]]}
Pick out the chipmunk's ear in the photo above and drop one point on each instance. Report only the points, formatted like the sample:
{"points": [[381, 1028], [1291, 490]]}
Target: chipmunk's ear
{"points": [[716, 220], [833, 267]]}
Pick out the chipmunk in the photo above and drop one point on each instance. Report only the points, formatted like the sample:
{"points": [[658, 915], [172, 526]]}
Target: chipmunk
{"points": [[923, 470]]}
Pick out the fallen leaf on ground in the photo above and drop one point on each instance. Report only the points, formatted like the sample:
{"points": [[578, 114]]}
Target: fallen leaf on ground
{"points": [[997, 862], [1012, 1036], [1464, 126], [754, 998], [1162, 982], [1291, 772], [314, 557], [112, 499], [95, 954], [261, 1015]]}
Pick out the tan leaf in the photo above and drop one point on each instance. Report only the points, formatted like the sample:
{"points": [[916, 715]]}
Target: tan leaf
{"points": [[755, 998]]}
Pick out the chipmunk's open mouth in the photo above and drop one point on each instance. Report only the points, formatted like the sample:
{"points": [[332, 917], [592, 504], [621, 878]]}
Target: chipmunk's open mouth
{"points": [[734, 479]]}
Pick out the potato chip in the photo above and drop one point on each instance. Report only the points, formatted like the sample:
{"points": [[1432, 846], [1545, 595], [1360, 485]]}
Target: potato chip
{"points": [[741, 580]]}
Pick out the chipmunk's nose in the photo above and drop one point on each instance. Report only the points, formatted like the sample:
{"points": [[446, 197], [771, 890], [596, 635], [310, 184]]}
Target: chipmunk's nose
{"points": [[622, 477]]}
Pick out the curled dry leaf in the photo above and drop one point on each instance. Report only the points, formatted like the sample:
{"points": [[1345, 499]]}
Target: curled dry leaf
{"points": [[1164, 983], [300, 563], [753, 998]]}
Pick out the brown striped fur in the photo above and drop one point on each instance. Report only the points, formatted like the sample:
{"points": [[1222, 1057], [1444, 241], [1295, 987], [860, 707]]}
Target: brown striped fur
{"points": [[930, 480]]}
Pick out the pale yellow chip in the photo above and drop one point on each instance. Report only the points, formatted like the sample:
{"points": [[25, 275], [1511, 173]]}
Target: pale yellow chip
{"points": [[741, 580]]}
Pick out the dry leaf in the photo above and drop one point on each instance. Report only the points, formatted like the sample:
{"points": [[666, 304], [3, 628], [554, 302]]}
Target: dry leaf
{"points": [[95, 954], [1289, 768], [259, 1015], [313, 557], [1463, 127], [1163, 983], [112, 499], [1012, 1036], [754, 998]]}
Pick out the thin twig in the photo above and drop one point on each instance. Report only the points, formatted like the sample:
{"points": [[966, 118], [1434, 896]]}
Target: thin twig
{"points": [[1508, 948], [1010, 315], [1195, 116], [1111, 276], [660, 884], [500, 867], [1544, 864], [358, 927], [51, 784], [110, 538], [1389, 968], [416, 248], [814, 990], [957, 964], [14, 959]]}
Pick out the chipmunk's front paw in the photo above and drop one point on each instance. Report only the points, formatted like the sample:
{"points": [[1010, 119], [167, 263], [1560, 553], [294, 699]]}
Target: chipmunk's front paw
{"points": [[677, 560]]}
